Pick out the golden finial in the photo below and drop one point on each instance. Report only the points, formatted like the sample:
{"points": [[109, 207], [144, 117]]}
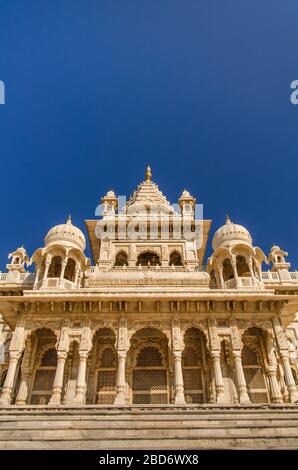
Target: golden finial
{"points": [[228, 220], [148, 175]]}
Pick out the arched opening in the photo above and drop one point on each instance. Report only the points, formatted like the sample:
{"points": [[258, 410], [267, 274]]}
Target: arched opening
{"points": [[195, 367], [242, 266], [70, 268], [228, 272], [103, 368], [55, 267], [228, 373], [121, 259], [253, 362], [148, 367], [148, 258], [17, 260], [175, 259], [44, 366]]}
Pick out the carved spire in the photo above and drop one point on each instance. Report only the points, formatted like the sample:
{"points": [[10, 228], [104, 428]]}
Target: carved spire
{"points": [[148, 175], [228, 220], [68, 222]]}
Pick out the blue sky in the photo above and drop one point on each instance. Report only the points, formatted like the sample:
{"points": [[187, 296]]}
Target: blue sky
{"points": [[97, 89]]}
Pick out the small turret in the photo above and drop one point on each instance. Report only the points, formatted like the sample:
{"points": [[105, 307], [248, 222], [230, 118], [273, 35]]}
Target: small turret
{"points": [[19, 259]]}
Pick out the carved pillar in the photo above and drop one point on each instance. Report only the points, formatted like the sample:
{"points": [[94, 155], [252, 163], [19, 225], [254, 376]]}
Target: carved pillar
{"points": [[234, 266], [289, 379], [237, 346], [121, 384], [80, 396], [284, 354], [46, 271], [243, 395], [215, 357], [220, 272], [80, 275], [76, 278], [179, 385], [63, 266], [252, 275], [276, 396], [8, 386], [178, 346], [38, 269], [58, 380], [122, 347], [23, 390], [219, 385], [16, 347]]}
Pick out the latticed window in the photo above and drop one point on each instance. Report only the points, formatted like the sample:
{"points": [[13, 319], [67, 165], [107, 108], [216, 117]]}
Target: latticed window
{"points": [[49, 358], [149, 356], [150, 384], [106, 377], [254, 376], [192, 374], [44, 378]]}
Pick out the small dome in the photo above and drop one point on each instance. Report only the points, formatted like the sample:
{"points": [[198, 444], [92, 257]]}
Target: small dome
{"points": [[230, 232], [110, 194], [185, 193], [66, 232]]}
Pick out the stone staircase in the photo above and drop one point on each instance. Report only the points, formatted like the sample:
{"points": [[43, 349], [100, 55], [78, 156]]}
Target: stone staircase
{"points": [[149, 427]]}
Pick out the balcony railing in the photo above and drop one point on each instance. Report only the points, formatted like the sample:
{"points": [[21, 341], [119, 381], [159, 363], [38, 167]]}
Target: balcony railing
{"points": [[55, 283], [244, 283], [274, 278]]}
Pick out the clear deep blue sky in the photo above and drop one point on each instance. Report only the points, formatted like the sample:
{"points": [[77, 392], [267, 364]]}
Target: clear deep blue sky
{"points": [[96, 89]]}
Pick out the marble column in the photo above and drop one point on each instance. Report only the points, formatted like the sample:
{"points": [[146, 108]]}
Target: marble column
{"points": [[243, 395], [252, 275], [63, 266], [77, 272], [234, 266], [219, 385], [121, 384], [222, 282], [80, 396], [7, 391], [46, 271], [276, 395], [178, 379], [38, 270], [289, 379], [58, 380], [22, 395]]}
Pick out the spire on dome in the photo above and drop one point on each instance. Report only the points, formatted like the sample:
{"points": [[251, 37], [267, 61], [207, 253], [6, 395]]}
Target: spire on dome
{"points": [[228, 220], [68, 222], [148, 175]]}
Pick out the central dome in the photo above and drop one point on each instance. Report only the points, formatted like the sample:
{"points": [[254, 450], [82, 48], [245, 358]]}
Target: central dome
{"points": [[66, 232], [230, 232]]}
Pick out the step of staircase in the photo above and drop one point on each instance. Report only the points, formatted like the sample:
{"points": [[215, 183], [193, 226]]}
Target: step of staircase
{"points": [[149, 427]]}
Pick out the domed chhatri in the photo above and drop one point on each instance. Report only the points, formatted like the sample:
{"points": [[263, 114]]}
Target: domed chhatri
{"points": [[66, 232], [230, 232]]}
